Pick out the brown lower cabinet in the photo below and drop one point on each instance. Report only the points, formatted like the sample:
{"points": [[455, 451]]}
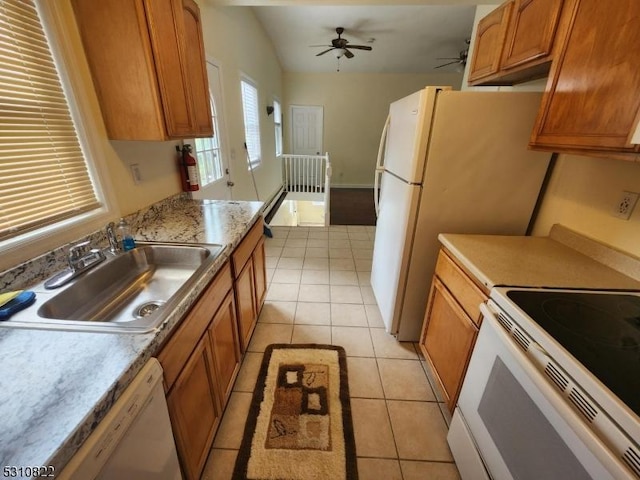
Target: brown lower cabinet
{"points": [[250, 283], [451, 325], [202, 357], [200, 362], [246, 302], [194, 409], [225, 347]]}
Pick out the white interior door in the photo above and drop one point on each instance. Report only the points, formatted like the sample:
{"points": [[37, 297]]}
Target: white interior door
{"points": [[213, 162], [306, 130]]}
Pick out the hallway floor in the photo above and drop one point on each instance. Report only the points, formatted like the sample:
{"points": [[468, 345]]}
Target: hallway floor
{"points": [[319, 292]]}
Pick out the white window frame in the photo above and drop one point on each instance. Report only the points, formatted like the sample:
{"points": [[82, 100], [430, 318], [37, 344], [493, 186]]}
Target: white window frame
{"points": [[256, 150], [60, 28], [201, 153], [277, 125]]}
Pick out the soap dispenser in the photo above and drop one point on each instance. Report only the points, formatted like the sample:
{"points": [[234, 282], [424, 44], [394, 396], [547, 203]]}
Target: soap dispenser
{"points": [[126, 239]]}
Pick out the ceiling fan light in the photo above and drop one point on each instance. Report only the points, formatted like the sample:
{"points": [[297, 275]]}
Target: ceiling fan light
{"points": [[339, 52]]}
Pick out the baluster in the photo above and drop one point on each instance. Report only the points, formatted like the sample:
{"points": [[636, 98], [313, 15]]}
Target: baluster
{"points": [[285, 161]]}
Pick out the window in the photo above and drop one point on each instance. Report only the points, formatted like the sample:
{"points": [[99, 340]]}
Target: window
{"points": [[208, 152], [44, 177], [251, 121], [277, 120]]}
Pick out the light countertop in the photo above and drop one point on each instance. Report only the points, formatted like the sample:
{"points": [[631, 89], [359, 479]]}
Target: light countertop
{"points": [[521, 261], [56, 386]]}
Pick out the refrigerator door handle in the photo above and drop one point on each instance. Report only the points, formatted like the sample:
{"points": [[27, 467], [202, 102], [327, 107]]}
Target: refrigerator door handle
{"points": [[376, 193], [379, 165], [383, 140]]}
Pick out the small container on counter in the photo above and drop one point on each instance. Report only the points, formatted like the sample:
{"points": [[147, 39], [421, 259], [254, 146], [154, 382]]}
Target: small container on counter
{"points": [[126, 239]]}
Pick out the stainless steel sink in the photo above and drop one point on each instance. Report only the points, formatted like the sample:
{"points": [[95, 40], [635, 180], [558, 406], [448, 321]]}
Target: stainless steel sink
{"points": [[133, 292]]}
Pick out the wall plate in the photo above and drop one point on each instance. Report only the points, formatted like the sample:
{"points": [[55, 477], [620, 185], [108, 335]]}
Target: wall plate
{"points": [[625, 205]]}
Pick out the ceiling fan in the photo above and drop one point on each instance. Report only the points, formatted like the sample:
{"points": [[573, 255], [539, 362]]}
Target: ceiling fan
{"points": [[461, 59], [341, 46]]}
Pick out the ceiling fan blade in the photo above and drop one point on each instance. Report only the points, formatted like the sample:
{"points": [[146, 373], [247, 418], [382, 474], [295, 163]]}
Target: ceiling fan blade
{"points": [[348, 54], [359, 47], [320, 45], [450, 63], [322, 53]]}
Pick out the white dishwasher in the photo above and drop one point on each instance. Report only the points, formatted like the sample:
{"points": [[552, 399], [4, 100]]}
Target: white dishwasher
{"points": [[134, 440]]}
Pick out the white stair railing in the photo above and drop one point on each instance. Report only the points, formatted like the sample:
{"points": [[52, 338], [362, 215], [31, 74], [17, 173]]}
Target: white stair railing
{"points": [[305, 173], [308, 174]]}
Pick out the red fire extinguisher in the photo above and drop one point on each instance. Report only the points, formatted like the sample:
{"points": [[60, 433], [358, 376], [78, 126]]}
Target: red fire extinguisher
{"points": [[188, 169]]}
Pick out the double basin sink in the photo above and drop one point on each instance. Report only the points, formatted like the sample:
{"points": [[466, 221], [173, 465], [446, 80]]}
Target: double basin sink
{"points": [[131, 292]]}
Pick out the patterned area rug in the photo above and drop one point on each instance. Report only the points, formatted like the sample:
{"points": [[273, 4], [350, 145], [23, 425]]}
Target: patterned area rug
{"points": [[299, 425]]}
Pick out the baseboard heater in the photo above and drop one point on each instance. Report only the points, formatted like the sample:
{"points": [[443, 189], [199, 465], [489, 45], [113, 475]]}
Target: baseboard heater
{"points": [[273, 204]]}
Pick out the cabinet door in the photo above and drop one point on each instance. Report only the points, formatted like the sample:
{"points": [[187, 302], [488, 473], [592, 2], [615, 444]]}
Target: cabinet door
{"points": [[531, 31], [194, 410], [177, 350], [490, 37], [194, 66], [448, 338], [245, 303], [225, 346], [148, 67], [115, 36], [592, 104], [260, 272], [171, 71]]}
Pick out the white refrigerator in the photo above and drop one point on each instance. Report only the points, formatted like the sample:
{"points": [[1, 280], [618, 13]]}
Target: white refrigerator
{"points": [[449, 162]]}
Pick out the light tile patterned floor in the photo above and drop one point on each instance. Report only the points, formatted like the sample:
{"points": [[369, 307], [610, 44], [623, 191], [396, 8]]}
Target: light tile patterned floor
{"points": [[319, 292]]}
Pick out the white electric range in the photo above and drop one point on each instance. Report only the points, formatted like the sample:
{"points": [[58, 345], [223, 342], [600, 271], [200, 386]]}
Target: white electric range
{"points": [[553, 388]]}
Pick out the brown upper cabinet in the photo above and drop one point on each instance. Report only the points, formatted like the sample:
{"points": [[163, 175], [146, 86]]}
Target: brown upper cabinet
{"points": [[490, 37], [591, 104], [515, 42], [148, 67]]}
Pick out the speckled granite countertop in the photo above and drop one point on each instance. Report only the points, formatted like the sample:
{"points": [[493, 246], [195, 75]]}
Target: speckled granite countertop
{"points": [[55, 387], [562, 260]]}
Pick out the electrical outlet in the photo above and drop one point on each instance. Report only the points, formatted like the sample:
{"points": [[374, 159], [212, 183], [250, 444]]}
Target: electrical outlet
{"points": [[625, 205]]}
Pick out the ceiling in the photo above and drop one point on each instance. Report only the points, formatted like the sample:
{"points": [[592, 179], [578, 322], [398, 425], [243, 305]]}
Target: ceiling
{"points": [[409, 35]]}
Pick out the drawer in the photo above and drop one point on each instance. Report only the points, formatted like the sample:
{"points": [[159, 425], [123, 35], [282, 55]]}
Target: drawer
{"points": [[243, 252], [176, 352], [465, 291]]}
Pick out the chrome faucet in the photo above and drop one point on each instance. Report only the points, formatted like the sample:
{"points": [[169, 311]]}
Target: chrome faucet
{"points": [[114, 246], [81, 258], [76, 253]]}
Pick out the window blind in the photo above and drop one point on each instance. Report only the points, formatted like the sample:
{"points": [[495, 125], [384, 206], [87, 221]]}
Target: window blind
{"points": [[43, 172], [251, 121]]}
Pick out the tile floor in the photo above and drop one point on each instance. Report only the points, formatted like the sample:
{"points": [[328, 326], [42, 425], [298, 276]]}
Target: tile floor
{"points": [[319, 292]]}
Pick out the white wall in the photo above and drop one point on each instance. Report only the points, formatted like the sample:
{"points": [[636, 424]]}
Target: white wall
{"points": [[356, 106], [235, 38], [582, 194]]}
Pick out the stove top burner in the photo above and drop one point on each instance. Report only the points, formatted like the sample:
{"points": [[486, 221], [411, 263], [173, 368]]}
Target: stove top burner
{"points": [[595, 324], [601, 330]]}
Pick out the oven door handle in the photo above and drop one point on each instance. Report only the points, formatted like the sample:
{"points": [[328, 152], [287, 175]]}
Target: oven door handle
{"points": [[561, 404]]}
